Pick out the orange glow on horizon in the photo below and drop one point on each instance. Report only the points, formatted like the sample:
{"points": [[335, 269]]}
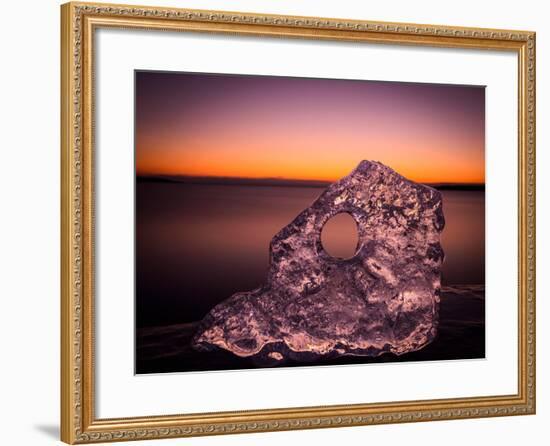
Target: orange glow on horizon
{"points": [[262, 161]]}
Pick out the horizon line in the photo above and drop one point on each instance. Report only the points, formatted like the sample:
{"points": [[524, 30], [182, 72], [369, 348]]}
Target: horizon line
{"points": [[205, 179]]}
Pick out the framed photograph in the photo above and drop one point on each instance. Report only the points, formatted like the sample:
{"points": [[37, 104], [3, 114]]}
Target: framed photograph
{"points": [[275, 223]]}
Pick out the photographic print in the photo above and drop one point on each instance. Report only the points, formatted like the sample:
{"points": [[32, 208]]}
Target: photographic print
{"points": [[284, 222]]}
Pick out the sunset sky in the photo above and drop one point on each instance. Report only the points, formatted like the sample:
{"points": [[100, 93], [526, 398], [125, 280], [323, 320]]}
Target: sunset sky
{"points": [[312, 129]]}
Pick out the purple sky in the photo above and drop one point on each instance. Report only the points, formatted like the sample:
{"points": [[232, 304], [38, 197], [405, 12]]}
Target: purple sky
{"points": [[262, 126]]}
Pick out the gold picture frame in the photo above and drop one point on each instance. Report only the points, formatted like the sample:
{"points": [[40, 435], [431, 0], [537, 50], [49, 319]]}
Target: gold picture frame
{"points": [[78, 422]]}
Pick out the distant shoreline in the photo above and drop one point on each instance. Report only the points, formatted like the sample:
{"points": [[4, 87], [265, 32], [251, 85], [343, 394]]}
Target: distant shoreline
{"points": [[278, 182], [233, 181]]}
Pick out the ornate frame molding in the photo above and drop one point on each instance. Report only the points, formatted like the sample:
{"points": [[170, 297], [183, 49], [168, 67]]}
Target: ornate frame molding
{"points": [[78, 424]]}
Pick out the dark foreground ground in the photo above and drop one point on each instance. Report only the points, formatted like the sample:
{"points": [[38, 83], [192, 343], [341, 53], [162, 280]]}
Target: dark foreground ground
{"points": [[461, 336]]}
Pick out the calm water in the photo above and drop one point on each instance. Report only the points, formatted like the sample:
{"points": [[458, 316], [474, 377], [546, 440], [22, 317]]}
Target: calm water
{"points": [[197, 244]]}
